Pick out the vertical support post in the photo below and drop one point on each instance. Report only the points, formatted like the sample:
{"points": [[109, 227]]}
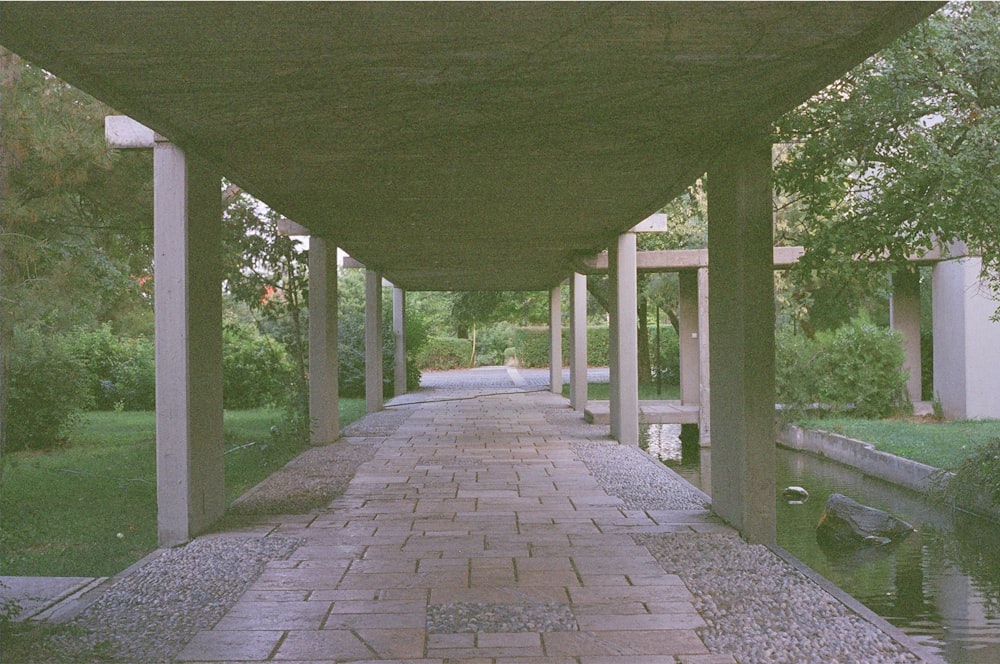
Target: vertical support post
{"points": [[187, 227], [687, 315], [625, 379], [614, 351], [741, 322], [399, 335], [324, 413], [555, 340], [578, 342], [704, 380], [904, 306], [373, 341], [966, 340]]}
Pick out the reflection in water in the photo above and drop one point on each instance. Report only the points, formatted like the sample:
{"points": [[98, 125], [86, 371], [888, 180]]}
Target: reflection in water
{"points": [[941, 585]]}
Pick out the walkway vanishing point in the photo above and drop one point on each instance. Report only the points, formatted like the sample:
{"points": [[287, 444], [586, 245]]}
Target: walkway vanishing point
{"points": [[495, 526]]}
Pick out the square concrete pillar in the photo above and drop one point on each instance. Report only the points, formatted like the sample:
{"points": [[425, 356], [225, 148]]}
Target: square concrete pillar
{"points": [[966, 341], [623, 347], [578, 342], [187, 226], [741, 324], [704, 387], [555, 340], [373, 341], [904, 317], [687, 317], [399, 336], [324, 392]]}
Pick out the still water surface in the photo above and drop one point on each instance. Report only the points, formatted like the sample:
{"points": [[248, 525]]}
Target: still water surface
{"points": [[941, 585]]}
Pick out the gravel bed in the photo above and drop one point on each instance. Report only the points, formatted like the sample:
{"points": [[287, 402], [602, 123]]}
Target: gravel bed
{"points": [[151, 613], [639, 480], [313, 479], [469, 617], [760, 609]]}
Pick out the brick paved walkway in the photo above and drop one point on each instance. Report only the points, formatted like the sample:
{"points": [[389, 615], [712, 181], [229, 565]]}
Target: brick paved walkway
{"points": [[478, 504]]}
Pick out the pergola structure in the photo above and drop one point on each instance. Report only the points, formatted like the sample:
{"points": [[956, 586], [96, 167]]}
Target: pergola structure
{"points": [[458, 147]]}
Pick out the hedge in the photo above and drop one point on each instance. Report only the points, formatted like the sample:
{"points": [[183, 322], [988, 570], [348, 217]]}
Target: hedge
{"points": [[441, 353]]}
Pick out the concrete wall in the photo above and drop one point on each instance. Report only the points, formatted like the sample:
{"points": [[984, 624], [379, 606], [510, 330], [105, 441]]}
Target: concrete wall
{"points": [[966, 342]]}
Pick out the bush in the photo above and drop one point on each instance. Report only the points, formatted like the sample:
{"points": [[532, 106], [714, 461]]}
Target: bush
{"points": [[976, 479], [47, 391], [120, 373], [351, 342], [858, 367], [531, 344], [256, 371], [442, 353]]}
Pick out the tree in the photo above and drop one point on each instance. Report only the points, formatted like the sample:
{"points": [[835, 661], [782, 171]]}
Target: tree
{"points": [[899, 154]]}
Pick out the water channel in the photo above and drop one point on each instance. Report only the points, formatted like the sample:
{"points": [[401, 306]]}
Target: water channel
{"points": [[941, 585]]}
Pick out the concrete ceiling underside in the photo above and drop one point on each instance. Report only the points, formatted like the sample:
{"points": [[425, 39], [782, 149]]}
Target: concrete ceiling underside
{"points": [[456, 146]]}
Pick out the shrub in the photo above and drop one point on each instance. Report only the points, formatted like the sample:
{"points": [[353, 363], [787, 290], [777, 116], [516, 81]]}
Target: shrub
{"points": [[351, 342], [858, 366], [256, 371], [120, 373], [532, 346], [47, 391], [444, 353], [597, 346], [976, 479]]}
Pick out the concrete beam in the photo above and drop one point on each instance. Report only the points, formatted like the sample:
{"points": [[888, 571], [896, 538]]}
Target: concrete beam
{"points": [[187, 227], [741, 322], [324, 405], [578, 342], [124, 133], [373, 341], [399, 336]]}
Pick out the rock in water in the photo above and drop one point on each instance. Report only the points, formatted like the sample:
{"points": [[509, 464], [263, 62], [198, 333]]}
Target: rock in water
{"points": [[846, 523], [795, 494]]}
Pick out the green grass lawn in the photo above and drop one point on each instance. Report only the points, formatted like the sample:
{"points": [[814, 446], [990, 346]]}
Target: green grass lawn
{"points": [[600, 392], [90, 509], [938, 444]]}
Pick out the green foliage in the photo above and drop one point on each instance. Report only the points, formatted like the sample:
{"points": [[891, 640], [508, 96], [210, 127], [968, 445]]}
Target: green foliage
{"points": [[351, 343], [900, 152], [47, 391], [976, 477], [493, 343], [597, 346], [531, 344], [442, 353], [858, 367], [256, 371], [120, 372]]}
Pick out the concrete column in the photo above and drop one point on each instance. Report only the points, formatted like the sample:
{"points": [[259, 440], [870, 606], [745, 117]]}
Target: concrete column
{"points": [[614, 352], [966, 341], [704, 380], [578, 342], [373, 341], [904, 317], [625, 380], [399, 336], [687, 315], [324, 392], [741, 325], [555, 340], [187, 225]]}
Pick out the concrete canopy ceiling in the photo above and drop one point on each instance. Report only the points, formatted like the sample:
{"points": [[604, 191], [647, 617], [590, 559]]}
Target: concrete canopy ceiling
{"points": [[456, 146]]}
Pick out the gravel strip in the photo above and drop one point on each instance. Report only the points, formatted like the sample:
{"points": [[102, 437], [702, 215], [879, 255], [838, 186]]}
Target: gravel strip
{"points": [[639, 480], [151, 613], [760, 609], [470, 617], [313, 479]]}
